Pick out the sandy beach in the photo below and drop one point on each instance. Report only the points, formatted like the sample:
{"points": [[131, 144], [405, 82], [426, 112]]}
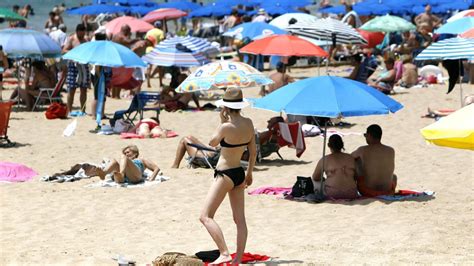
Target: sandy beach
{"points": [[69, 224]]}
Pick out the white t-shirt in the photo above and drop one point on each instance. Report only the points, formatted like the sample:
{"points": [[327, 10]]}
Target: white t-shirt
{"points": [[260, 18], [58, 36]]}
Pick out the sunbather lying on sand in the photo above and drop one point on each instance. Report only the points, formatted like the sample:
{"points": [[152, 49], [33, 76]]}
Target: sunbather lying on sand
{"points": [[340, 169], [129, 169], [148, 128], [445, 112]]}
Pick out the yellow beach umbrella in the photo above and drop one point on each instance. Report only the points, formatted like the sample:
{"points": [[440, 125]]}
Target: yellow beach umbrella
{"points": [[455, 130]]}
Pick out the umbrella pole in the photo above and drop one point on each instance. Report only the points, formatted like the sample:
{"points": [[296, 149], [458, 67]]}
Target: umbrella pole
{"points": [[100, 97], [460, 83], [18, 86], [324, 159]]}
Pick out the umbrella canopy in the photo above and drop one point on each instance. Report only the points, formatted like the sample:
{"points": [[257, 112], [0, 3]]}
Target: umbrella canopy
{"points": [[174, 57], [131, 2], [328, 96], [142, 10], [164, 13], [253, 30], [96, 9], [104, 53], [328, 29], [181, 5], [18, 43], [388, 23], [7, 14], [213, 10], [373, 38], [283, 21], [468, 34], [464, 13], [452, 48], [283, 45], [455, 130], [193, 43], [135, 24], [222, 74], [275, 9], [457, 26]]}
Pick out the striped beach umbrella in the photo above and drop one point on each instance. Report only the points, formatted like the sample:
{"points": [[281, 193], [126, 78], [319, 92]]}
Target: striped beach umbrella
{"points": [[174, 57], [193, 43], [328, 29], [449, 49]]}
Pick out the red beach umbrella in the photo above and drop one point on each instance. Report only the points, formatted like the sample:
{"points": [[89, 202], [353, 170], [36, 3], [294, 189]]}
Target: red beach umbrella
{"points": [[468, 34], [372, 38], [283, 45], [135, 24], [164, 14]]}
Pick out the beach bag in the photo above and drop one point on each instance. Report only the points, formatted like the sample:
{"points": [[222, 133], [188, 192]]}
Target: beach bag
{"points": [[122, 126], [56, 110], [176, 258], [302, 187]]}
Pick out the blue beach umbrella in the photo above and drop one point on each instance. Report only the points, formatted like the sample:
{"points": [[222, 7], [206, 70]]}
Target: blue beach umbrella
{"points": [[132, 2], [457, 27], [19, 43], [104, 53], [181, 5], [253, 30], [142, 10], [328, 96], [96, 9], [213, 10]]}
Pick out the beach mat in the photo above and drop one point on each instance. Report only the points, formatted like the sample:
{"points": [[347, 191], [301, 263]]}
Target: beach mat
{"points": [[15, 172], [110, 183], [209, 256]]}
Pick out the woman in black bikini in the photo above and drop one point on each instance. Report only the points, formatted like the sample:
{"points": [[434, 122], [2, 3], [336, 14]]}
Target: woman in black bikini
{"points": [[234, 135]]}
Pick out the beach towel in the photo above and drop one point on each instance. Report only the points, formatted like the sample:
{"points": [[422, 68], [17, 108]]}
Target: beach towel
{"points": [[15, 172], [292, 135], [406, 194], [340, 133], [77, 172], [270, 191], [131, 135], [108, 182], [210, 256]]}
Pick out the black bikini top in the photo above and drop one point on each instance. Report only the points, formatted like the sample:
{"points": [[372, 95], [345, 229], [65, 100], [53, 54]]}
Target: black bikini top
{"points": [[227, 145]]}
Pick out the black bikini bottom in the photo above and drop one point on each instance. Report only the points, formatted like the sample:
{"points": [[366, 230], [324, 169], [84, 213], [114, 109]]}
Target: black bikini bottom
{"points": [[237, 175]]}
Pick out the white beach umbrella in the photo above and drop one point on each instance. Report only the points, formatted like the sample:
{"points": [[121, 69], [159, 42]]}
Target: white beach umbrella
{"points": [[283, 21]]}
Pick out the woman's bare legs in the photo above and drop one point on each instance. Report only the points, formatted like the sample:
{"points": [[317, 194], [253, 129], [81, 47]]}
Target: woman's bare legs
{"points": [[183, 148], [127, 169], [237, 203], [214, 198]]}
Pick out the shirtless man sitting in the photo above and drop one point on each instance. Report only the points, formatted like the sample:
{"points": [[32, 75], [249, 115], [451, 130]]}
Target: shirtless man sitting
{"points": [[280, 79], [376, 163]]}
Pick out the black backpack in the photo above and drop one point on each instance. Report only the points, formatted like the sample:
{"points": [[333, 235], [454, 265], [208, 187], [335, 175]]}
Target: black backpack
{"points": [[302, 187]]}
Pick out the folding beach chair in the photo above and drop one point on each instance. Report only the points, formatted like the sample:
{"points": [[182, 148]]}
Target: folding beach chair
{"points": [[201, 162], [48, 95], [137, 107], [5, 110]]}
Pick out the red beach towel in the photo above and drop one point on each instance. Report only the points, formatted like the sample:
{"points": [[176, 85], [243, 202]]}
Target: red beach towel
{"points": [[246, 258], [292, 135]]}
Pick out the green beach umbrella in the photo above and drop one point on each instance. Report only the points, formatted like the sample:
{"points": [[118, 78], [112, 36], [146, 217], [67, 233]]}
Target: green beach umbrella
{"points": [[388, 23], [7, 14]]}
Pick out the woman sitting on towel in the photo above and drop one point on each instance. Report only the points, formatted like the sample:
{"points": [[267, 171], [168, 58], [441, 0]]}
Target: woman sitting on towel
{"points": [[339, 168], [130, 168], [149, 128]]}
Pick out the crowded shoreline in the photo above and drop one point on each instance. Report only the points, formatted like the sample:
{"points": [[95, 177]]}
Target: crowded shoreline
{"points": [[46, 221]]}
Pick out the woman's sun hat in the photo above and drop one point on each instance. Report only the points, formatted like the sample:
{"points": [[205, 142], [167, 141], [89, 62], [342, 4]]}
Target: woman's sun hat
{"points": [[233, 98]]}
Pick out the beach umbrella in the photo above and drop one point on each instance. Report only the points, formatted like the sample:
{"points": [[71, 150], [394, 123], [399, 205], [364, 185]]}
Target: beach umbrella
{"points": [[142, 10], [7, 14], [19, 43], [457, 26], [181, 5], [174, 57], [283, 45], [462, 14], [213, 10], [274, 9], [132, 2], [455, 130], [96, 9], [373, 38], [283, 21], [328, 29], [195, 44], [388, 23], [449, 49], [223, 74], [136, 25], [253, 30], [164, 14], [104, 53], [328, 96], [468, 34]]}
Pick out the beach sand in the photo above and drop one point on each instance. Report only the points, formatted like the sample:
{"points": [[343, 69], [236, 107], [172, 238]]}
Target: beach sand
{"points": [[69, 224]]}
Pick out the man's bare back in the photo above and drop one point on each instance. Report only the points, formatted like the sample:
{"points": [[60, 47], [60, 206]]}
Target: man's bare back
{"points": [[376, 164]]}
